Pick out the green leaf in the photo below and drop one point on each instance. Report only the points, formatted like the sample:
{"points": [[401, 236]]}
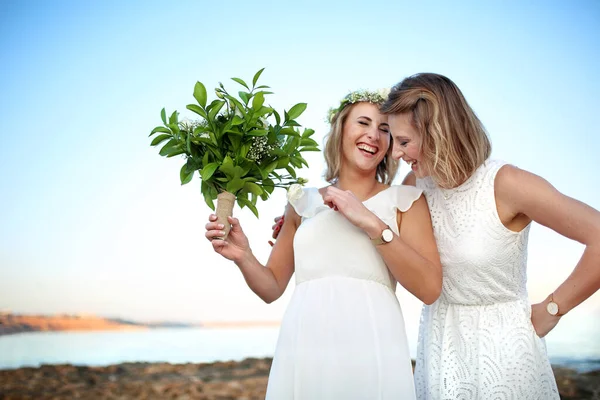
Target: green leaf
{"points": [[296, 111], [159, 129], [268, 185], [256, 76], [291, 171], [159, 139], [175, 152], [257, 132], [163, 116], [237, 120], [200, 94], [241, 108], [292, 144], [310, 148], [234, 185], [283, 162], [269, 168], [263, 87], [289, 132], [173, 118], [241, 82], [166, 148], [185, 176], [205, 159], [208, 197], [295, 162], [197, 110], [308, 142], [253, 188], [308, 133], [245, 202], [227, 167], [207, 172], [258, 101], [302, 160], [291, 122], [215, 109], [244, 96], [277, 117]]}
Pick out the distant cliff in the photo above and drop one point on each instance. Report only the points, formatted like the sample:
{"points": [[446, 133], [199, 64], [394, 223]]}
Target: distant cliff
{"points": [[16, 323]]}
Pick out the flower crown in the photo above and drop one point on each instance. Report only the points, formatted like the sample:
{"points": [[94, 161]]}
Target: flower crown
{"points": [[374, 97]]}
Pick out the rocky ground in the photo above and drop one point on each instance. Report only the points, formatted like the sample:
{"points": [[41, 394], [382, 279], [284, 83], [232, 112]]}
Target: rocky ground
{"points": [[221, 380]]}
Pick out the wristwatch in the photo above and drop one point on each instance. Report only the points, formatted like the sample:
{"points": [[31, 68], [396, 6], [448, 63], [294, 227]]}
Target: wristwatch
{"points": [[552, 307], [386, 236]]}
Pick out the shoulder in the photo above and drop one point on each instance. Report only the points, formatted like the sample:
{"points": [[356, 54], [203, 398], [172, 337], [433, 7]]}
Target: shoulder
{"points": [[410, 179], [510, 177], [403, 196]]}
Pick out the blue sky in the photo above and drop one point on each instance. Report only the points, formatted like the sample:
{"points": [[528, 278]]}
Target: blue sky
{"points": [[93, 220]]}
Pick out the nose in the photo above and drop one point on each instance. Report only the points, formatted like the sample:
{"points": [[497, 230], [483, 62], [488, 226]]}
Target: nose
{"points": [[373, 132]]}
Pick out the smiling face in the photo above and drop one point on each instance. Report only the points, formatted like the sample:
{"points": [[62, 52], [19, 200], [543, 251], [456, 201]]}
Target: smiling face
{"points": [[407, 143], [365, 138]]}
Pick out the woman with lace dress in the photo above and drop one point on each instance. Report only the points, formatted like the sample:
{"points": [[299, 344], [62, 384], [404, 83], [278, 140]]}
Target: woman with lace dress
{"points": [[482, 339], [343, 334]]}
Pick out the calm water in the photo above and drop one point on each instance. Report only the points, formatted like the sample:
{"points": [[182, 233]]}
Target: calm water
{"points": [[577, 349]]}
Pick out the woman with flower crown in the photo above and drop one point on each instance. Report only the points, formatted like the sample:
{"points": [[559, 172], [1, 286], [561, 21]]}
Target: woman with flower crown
{"points": [[343, 335]]}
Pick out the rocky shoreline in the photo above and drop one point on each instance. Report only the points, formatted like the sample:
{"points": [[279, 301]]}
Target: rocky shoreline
{"points": [[243, 380]]}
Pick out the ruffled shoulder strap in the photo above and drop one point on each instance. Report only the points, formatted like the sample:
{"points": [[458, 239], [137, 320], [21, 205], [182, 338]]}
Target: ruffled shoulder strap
{"points": [[395, 198], [306, 201]]}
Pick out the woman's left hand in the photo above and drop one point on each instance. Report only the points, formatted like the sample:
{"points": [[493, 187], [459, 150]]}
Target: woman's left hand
{"points": [[543, 322], [350, 207]]}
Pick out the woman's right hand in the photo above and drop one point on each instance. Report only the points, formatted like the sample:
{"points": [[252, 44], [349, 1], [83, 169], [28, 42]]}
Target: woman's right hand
{"points": [[277, 226], [236, 247]]}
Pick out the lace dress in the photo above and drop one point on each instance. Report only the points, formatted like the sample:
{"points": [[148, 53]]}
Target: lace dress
{"points": [[477, 341], [343, 333]]}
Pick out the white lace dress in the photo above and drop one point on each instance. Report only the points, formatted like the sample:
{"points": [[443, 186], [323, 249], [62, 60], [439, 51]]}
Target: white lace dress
{"points": [[343, 333], [477, 341]]}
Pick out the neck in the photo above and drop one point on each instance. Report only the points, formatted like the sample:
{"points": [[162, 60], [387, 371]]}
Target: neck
{"points": [[363, 185]]}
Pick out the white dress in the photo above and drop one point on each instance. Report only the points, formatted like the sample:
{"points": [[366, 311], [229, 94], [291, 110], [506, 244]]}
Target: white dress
{"points": [[477, 341], [343, 334]]}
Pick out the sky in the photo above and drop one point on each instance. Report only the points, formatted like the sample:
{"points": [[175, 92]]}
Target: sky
{"points": [[93, 220]]}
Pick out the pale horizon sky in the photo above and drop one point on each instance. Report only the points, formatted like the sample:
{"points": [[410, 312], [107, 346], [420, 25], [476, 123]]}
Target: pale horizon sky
{"points": [[94, 221]]}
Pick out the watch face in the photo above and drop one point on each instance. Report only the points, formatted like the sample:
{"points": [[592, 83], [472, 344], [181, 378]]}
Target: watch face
{"points": [[387, 235], [552, 308]]}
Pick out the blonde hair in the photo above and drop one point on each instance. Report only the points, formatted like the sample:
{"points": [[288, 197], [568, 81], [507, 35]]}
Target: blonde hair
{"points": [[454, 142], [387, 168]]}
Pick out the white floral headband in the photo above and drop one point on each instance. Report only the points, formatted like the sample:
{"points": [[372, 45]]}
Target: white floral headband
{"points": [[374, 97]]}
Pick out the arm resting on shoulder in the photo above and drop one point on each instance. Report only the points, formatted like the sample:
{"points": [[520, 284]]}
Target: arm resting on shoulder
{"points": [[413, 257]]}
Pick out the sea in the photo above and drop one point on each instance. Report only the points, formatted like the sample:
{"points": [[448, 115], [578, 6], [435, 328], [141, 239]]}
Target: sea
{"points": [[579, 350]]}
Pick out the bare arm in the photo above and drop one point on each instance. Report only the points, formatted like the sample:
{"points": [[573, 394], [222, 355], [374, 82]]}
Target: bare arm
{"points": [[413, 257], [521, 197], [268, 282]]}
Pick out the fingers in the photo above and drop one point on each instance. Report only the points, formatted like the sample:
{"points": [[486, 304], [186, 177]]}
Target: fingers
{"points": [[235, 224], [277, 228], [213, 225], [214, 234], [219, 245], [212, 217]]}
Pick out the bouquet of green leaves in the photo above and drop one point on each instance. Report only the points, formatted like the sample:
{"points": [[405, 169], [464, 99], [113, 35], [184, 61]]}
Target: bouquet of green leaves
{"points": [[240, 153]]}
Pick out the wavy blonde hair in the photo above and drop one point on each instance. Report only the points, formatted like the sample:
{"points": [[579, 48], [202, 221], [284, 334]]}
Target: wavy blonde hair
{"points": [[454, 142], [387, 168]]}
